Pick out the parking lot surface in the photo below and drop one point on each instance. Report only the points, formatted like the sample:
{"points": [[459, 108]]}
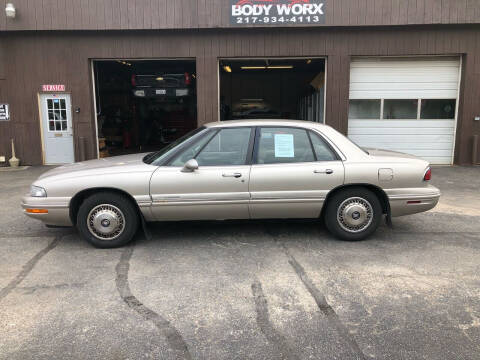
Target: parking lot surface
{"points": [[245, 290]]}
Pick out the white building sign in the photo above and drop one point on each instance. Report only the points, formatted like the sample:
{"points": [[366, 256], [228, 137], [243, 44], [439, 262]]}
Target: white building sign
{"points": [[277, 12], [4, 114]]}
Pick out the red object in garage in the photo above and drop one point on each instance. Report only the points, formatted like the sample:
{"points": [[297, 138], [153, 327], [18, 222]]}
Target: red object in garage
{"points": [[127, 139]]}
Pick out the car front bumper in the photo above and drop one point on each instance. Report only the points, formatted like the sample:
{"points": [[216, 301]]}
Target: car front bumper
{"points": [[412, 200], [51, 210]]}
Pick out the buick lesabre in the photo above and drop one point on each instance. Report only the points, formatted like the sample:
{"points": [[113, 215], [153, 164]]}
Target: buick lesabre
{"points": [[249, 169]]}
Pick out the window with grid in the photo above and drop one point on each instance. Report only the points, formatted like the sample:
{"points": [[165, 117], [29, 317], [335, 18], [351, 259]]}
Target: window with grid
{"points": [[57, 114], [402, 109]]}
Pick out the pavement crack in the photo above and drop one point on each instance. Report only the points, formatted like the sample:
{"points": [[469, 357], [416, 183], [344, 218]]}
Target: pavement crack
{"points": [[28, 267], [325, 307], [267, 328], [172, 335], [63, 286], [330, 314]]}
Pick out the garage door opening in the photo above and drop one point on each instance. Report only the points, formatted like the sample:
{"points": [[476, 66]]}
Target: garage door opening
{"points": [[143, 105], [287, 88]]}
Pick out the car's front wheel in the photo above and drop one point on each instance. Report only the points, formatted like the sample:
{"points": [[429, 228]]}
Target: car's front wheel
{"points": [[107, 220], [353, 214]]}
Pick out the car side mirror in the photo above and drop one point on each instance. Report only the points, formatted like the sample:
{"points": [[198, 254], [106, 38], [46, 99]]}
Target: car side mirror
{"points": [[190, 166]]}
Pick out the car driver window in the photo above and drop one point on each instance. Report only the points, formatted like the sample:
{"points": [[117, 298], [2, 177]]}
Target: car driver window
{"points": [[227, 147], [284, 145], [322, 150], [190, 152]]}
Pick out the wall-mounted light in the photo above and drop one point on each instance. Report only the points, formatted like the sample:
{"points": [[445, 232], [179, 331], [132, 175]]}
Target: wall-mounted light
{"points": [[280, 67], [253, 67], [10, 11], [124, 62], [227, 68], [266, 67]]}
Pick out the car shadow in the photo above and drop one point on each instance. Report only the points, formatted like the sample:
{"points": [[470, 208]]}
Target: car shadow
{"points": [[286, 230]]}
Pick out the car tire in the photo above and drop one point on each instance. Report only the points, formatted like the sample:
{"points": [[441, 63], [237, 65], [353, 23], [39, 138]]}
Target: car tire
{"points": [[353, 214], [107, 220]]}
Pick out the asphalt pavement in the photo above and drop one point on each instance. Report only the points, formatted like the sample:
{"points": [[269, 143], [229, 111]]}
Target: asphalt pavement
{"points": [[245, 289]]}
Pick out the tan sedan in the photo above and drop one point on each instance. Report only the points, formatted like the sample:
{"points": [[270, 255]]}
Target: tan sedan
{"points": [[249, 169]]}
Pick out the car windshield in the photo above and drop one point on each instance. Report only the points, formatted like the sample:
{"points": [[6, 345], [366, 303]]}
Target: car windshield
{"points": [[158, 156]]}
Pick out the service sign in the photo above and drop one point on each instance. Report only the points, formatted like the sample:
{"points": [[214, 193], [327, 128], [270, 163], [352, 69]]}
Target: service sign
{"points": [[277, 12], [53, 87], [4, 114]]}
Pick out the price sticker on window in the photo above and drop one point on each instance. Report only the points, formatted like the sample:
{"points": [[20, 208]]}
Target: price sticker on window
{"points": [[284, 147]]}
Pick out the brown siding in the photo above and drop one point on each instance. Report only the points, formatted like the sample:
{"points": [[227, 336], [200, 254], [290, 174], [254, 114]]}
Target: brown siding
{"points": [[5, 127], [64, 58], [2, 58], [188, 14]]}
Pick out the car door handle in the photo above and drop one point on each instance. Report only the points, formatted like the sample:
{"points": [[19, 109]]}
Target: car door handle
{"points": [[235, 175], [327, 171]]}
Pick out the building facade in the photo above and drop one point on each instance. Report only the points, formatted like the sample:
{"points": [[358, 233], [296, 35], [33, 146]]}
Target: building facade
{"points": [[404, 75]]}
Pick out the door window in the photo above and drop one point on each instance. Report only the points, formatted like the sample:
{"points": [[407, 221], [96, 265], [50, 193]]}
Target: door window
{"points": [[364, 109], [57, 114], [400, 109], [438, 109], [226, 147], [323, 152], [284, 145]]}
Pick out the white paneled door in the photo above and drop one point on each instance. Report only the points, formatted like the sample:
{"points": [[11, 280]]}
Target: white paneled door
{"points": [[57, 129], [405, 104]]}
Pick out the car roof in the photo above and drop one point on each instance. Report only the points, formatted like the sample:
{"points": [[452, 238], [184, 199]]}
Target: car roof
{"points": [[265, 122]]}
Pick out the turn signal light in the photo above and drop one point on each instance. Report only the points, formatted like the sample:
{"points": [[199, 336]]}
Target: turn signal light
{"points": [[428, 175], [134, 80], [37, 211], [188, 80]]}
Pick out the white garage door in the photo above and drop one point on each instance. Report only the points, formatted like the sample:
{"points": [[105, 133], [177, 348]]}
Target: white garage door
{"points": [[405, 104]]}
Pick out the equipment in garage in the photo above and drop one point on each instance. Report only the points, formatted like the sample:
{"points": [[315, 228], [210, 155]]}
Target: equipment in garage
{"points": [[143, 105], [287, 88], [405, 104]]}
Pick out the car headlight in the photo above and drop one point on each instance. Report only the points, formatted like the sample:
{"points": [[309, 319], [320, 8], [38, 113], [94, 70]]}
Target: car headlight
{"points": [[37, 191]]}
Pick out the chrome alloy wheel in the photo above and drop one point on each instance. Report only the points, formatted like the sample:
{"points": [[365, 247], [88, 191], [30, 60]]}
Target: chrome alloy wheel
{"points": [[106, 222], [355, 214]]}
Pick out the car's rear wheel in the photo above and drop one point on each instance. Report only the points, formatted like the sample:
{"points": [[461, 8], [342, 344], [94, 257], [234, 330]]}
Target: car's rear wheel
{"points": [[107, 220], [353, 214]]}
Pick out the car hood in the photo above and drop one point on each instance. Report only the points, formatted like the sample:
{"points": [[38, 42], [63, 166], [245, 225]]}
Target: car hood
{"points": [[120, 164]]}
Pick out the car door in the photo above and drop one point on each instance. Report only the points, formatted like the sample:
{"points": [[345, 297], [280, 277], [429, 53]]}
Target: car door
{"points": [[218, 189], [293, 170]]}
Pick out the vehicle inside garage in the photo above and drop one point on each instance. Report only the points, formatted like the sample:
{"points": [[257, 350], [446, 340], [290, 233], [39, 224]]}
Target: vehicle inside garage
{"points": [[143, 105], [287, 88]]}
